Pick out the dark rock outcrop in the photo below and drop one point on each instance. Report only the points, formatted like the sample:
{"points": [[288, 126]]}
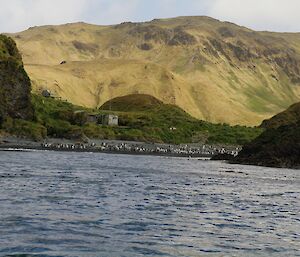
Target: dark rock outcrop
{"points": [[274, 148], [15, 85], [145, 47], [182, 37], [290, 116], [226, 32], [151, 32], [279, 145], [85, 47], [174, 37]]}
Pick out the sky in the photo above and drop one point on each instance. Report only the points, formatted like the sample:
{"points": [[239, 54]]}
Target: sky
{"points": [[272, 15]]}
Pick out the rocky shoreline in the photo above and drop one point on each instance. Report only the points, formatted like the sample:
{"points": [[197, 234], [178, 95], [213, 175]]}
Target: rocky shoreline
{"points": [[120, 147]]}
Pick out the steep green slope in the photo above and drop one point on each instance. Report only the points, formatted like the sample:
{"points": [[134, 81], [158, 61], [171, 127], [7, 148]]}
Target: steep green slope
{"points": [[216, 71], [279, 145], [141, 118], [15, 85], [159, 122]]}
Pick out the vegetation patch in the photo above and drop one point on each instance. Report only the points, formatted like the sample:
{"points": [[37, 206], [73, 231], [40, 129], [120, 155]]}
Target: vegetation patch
{"points": [[25, 129]]}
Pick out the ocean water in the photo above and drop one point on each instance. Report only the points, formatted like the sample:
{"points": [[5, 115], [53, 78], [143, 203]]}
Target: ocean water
{"points": [[88, 204]]}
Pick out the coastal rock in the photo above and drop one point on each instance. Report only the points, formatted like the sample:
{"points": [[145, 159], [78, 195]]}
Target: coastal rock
{"points": [[222, 157], [15, 85], [279, 145]]}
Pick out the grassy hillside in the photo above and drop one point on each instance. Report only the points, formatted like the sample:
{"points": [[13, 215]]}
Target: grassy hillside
{"points": [[279, 144], [214, 70], [153, 120], [141, 118]]}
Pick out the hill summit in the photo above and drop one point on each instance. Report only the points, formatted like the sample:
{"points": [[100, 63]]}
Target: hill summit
{"points": [[134, 102], [216, 71]]}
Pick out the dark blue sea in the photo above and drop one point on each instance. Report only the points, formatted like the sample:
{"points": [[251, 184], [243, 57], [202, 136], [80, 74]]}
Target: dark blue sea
{"points": [[91, 204]]}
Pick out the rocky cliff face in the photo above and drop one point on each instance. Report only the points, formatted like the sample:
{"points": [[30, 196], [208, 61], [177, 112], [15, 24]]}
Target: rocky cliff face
{"points": [[15, 85], [279, 145]]}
